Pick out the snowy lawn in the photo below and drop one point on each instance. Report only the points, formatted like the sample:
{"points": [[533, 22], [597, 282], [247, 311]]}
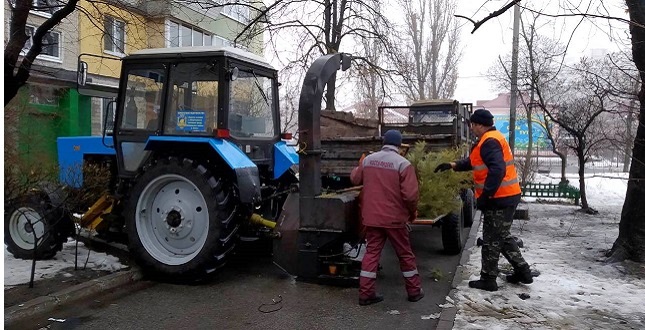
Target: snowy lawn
{"points": [[18, 271], [575, 290]]}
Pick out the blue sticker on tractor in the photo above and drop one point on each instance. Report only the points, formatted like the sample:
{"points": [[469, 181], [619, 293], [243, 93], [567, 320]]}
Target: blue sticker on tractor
{"points": [[191, 121], [285, 157]]}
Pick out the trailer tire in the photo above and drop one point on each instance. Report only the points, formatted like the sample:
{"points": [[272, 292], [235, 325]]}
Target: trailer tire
{"points": [[35, 213], [191, 228], [468, 198], [451, 229]]}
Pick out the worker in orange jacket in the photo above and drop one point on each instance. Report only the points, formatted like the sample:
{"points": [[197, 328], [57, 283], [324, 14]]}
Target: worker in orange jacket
{"points": [[498, 192]]}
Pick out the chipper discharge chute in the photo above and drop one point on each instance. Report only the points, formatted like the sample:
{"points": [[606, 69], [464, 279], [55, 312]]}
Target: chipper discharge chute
{"points": [[317, 231]]}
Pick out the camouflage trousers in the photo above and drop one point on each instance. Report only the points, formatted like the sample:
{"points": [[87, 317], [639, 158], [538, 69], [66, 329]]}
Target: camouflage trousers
{"points": [[497, 238]]}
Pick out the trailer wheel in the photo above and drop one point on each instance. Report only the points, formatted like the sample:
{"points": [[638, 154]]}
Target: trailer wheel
{"points": [[468, 198], [451, 227], [34, 218], [180, 220]]}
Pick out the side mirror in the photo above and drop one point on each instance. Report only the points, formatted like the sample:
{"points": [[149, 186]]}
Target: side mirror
{"points": [[81, 74], [108, 121], [233, 73]]}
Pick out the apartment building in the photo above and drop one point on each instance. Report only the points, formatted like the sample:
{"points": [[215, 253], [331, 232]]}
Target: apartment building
{"points": [[100, 34]]}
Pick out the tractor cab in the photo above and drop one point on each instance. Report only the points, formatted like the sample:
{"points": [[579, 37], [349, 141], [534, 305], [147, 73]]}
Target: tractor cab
{"points": [[197, 92]]}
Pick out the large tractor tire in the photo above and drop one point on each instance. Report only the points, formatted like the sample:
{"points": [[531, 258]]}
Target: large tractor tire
{"points": [[468, 198], [181, 220], [34, 218], [452, 226]]}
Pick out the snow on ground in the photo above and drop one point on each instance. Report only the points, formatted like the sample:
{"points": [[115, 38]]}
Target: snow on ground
{"points": [[18, 271], [575, 289]]}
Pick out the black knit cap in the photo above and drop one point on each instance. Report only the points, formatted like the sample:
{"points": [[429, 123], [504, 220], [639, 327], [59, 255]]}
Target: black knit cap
{"points": [[482, 116], [393, 137]]}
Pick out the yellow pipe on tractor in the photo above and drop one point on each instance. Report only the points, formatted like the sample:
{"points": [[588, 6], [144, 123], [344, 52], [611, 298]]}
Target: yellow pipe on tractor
{"points": [[258, 219], [92, 219]]}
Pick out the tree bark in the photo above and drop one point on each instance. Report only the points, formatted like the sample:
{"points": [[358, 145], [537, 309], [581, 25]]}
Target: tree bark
{"points": [[630, 243], [17, 71], [629, 139], [580, 151], [563, 165]]}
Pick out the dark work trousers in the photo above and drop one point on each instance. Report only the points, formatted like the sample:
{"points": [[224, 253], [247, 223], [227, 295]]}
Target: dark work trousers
{"points": [[400, 240], [497, 238]]}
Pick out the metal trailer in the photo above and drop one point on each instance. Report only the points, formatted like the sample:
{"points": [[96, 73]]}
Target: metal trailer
{"points": [[440, 123]]}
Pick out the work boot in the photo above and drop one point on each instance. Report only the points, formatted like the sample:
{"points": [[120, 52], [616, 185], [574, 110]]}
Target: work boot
{"points": [[416, 297], [487, 283], [522, 275], [377, 298]]}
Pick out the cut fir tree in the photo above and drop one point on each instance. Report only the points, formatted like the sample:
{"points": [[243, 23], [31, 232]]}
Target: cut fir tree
{"points": [[438, 192]]}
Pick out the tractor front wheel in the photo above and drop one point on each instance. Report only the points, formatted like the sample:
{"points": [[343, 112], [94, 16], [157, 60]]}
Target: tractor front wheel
{"points": [[181, 220]]}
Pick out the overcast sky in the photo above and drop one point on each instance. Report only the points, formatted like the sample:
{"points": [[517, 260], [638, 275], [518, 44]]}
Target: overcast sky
{"points": [[494, 38]]}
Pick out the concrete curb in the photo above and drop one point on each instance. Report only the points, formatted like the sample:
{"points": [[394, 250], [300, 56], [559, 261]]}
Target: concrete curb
{"points": [[72, 294], [448, 314]]}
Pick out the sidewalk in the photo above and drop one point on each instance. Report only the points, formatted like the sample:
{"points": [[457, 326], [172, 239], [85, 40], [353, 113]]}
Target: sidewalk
{"points": [[449, 310], [576, 288], [57, 282], [44, 304]]}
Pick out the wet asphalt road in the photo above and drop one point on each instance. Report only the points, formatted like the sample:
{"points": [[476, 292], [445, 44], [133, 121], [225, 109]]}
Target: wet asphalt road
{"points": [[242, 295]]}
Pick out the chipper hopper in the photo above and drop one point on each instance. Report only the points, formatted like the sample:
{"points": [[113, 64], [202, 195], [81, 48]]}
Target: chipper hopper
{"points": [[315, 229]]}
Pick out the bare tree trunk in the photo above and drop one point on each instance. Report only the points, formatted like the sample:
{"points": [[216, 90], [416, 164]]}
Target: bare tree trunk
{"points": [[330, 95], [563, 165], [580, 152], [630, 243], [427, 54], [581, 173], [529, 148], [629, 139]]}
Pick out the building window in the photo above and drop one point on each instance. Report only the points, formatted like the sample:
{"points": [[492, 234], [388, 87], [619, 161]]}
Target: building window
{"points": [[44, 94], [237, 10], [51, 44], [185, 36], [46, 8], [219, 41], [114, 38], [223, 42]]}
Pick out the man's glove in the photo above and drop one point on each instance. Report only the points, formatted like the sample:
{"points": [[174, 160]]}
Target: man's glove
{"points": [[483, 202], [443, 167]]}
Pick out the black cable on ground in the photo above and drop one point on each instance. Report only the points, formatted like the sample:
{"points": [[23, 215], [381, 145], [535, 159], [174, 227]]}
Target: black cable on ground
{"points": [[274, 306]]}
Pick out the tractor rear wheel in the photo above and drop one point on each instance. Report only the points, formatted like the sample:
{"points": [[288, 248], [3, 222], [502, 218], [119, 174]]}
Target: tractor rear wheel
{"points": [[181, 220], [452, 226], [468, 198], [33, 218]]}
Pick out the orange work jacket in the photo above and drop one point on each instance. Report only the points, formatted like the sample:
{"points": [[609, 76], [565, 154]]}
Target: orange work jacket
{"points": [[510, 185]]}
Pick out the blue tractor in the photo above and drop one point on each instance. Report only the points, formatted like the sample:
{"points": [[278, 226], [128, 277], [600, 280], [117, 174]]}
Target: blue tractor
{"points": [[198, 162]]}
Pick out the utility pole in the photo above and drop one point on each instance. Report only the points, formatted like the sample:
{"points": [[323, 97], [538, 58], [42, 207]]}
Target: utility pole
{"points": [[513, 110]]}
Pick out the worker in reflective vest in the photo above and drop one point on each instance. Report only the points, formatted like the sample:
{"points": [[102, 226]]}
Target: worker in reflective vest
{"points": [[498, 192], [389, 203]]}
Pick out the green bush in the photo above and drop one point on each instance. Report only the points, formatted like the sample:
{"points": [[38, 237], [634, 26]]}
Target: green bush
{"points": [[438, 192]]}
